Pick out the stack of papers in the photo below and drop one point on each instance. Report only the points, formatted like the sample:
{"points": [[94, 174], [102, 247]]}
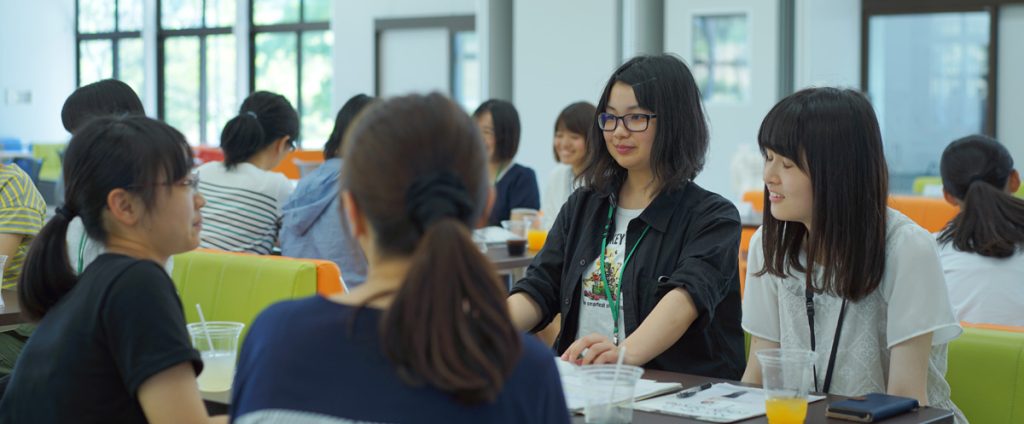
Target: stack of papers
{"points": [[492, 235], [722, 403], [576, 390]]}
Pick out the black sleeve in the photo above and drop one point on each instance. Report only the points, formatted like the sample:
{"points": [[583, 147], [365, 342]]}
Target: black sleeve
{"points": [[543, 278], [144, 325], [709, 261], [523, 193]]}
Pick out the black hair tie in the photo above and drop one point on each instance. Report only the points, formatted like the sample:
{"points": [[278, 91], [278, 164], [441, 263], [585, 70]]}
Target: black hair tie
{"points": [[65, 212], [435, 196]]}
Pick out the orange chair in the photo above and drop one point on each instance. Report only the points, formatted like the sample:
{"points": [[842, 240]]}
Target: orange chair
{"points": [[1010, 328], [208, 154], [290, 169], [932, 213], [328, 275]]}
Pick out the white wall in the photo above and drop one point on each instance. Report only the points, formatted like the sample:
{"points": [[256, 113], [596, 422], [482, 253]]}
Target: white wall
{"points": [[1010, 99], [564, 51], [37, 41], [827, 47], [353, 26]]}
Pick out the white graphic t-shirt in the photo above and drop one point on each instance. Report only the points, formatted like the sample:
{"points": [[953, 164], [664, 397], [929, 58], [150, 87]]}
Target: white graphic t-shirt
{"points": [[595, 315]]}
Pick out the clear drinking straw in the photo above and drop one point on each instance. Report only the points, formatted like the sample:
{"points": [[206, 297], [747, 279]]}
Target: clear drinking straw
{"points": [[206, 331], [618, 367]]}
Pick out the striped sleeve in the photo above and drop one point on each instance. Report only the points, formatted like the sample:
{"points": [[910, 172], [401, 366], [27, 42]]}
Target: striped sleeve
{"points": [[238, 220], [22, 211]]}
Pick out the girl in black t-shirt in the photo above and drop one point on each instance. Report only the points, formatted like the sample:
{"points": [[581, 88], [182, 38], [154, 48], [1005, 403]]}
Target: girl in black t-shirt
{"points": [[111, 344]]}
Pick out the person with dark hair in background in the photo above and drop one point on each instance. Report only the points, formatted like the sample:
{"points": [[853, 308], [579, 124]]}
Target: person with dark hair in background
{"points": [[245, 196], [427, 337], [515, 184], [833, 269], [313, 225], [111, 345], [641, 256], [982, 248], [571, 128]]}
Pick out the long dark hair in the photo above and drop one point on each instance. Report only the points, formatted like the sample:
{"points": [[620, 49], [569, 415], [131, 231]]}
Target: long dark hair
{"points": [[262, 118], [832, 135], [449, 324], [344, 118], [576, 118], [975, 170], [506, 128], [135, 153], [664, 85], [106, 97]]}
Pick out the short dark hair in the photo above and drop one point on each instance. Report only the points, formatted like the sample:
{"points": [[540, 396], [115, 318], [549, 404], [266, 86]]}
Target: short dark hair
{"points": [[576, 118], [345, 116], [130, 152], [450, 287], [832, 135], [664, 85], [975, 169], [506, 128], [106, 97], [262, 118]]}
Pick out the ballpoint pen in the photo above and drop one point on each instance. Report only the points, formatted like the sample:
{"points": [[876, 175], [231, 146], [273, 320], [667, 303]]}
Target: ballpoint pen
{"points": [[693, 390]]}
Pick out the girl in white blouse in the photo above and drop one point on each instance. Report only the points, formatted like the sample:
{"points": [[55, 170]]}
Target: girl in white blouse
{"points": [[873, 295], [570, 148]]}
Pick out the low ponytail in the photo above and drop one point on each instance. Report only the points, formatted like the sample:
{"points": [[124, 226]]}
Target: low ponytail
{"points": [[241, 139], [46, 274], [449, 324], [976, 170]]}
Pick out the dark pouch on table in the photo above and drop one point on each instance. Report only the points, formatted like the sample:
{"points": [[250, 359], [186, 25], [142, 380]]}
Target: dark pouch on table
{"points": [[870, 408]]}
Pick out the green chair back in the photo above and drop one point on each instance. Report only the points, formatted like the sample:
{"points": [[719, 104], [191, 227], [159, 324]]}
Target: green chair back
{"points": [[986, 375]]}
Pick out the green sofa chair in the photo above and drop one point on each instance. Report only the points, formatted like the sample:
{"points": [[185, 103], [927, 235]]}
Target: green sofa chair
{"points": [[986, 375], [234, 287]]}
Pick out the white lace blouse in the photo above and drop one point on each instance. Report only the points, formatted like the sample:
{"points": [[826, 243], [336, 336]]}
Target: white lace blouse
{"points": [[910, 301]]}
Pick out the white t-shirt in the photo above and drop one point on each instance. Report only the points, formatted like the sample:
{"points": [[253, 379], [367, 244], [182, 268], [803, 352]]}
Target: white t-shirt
{"points": [[910, 301], [559, 187], [243, 207], [595, 315], [983, 289], [82, 250]]}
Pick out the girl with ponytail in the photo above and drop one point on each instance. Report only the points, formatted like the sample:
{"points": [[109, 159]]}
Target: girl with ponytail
{"points": [[111, 344], [980, 248], [427, 337], [245, 196]]}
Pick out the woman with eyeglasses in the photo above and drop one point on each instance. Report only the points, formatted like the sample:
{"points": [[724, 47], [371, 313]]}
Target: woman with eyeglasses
{"points": [[246, 197], [641, 257], [111, 345]]}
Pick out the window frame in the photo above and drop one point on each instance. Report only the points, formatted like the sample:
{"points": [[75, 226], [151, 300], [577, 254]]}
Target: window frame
{"points": [[113, 37], [454, 24]]}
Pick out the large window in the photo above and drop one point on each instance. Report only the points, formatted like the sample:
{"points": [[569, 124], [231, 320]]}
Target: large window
{"points": [[930, 77], [110, 41], [291, 47], [198, 65]]}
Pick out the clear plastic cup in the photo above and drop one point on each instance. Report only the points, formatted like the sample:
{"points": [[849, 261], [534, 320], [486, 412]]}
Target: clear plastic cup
{"points": [[787, 376], [219, 352], [610, 392], [517, 243]]}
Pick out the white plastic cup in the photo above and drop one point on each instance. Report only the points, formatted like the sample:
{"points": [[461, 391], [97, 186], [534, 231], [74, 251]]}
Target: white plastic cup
{"points": [[220, 358], [610, 392], [786, 375]]}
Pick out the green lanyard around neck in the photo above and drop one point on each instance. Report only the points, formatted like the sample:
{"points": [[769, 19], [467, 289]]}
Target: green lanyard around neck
{"points": [[614, 303]]}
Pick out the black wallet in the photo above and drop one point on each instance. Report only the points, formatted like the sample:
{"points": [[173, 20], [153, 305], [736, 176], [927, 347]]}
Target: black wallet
{"points": [[870, 408]]}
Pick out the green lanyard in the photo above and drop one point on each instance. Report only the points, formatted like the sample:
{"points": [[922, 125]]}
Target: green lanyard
{"points": [[614, 303]]}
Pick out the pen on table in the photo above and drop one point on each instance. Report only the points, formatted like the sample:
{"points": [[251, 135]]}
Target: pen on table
{"points": [[693, 390]]}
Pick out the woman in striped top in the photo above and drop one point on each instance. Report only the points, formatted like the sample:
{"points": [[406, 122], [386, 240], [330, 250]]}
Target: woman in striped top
{"points": [[244, 197]]}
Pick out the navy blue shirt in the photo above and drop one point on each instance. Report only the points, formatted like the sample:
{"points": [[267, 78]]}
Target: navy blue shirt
{"points": [[319, 357], [516, 189]]}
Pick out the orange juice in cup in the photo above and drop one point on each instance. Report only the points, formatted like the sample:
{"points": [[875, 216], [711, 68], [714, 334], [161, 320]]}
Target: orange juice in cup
{"points": [[535, 238], [791, 410]]}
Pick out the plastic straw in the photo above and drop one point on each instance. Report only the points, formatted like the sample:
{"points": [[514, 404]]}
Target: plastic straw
{"points": [[206, 331], [618, 367]]}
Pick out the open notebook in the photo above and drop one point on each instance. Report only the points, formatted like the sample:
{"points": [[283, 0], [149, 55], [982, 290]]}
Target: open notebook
{"points": [[721, 403], [576, 390]]}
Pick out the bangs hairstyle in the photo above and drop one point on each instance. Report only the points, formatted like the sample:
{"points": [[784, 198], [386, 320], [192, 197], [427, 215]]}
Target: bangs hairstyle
{"points": [[506, 128], [134, 153], [663, 85], [448, 324], [975, 170], [576, 118], [833, 137]]}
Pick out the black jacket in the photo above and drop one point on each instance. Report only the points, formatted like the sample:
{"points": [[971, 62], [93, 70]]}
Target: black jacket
{"points": [[693, 244]]}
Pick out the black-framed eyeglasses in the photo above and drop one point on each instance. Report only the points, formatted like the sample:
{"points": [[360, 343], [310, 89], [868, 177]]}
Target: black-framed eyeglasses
{"points": [[634, 122]]}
